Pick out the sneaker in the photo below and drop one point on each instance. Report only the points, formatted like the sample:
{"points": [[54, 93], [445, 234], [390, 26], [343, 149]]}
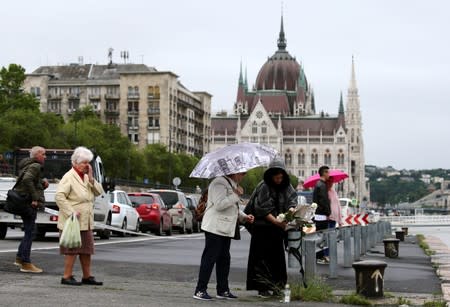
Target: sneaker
{"points": [[30, 268], [327, 259], [322, 261], [264, 294], [18, 261], [200, 295], [71, 281], [227, 295]]}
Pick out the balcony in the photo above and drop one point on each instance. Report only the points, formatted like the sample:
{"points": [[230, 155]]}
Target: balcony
{"points": [[94, 97], [111, 96], [153, 97], [54, 96], [152, 127], [133, 96], [74, 96], [112, 112], [134, 127], [152, 111], [133, 112]]}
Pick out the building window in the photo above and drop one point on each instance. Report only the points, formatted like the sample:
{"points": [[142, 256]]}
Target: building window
{"points": [[157, 92], [301, 158], [254, 128], [153, 121], [340, 157], [314, 157], [133, 106], [36, 91], [327, 158], [288, 158], [264, 128]]}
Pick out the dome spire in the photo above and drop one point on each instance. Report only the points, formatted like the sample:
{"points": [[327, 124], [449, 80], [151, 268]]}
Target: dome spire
{"points": [[281, 37]]}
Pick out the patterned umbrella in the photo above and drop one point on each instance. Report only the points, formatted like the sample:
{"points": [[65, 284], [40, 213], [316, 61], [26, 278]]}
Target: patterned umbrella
{"points": [[335, 175], [232, 159]]}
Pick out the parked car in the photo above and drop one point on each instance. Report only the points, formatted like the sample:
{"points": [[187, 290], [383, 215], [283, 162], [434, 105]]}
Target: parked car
{"points": [[177, 205], [124, 216], [192, 205], [153, 212]]}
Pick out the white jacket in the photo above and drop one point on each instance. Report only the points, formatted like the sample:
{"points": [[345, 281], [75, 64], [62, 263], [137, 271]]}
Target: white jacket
{"points": [[222, 210]]}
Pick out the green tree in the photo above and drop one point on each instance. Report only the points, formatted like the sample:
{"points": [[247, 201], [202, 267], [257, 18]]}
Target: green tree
{"points": [[12, 95]]}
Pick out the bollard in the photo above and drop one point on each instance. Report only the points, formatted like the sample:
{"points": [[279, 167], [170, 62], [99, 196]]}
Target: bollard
{"points": [[400, 234], [294, 237], [372, 235], [405, 230], [363, 240], [391, 247], [347, 247], [357, 243], [369, 277], [332, 250], [310, 257]]}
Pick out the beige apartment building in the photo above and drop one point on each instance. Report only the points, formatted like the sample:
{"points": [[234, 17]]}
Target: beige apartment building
{"points": [[149, 106]]}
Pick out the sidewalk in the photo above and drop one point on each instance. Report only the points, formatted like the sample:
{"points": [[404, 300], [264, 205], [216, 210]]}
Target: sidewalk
{"points": [[410, 276]]}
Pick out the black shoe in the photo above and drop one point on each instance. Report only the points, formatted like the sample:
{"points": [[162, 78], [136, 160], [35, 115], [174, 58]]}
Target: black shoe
{"points": [[71, 281], [91, 281]]}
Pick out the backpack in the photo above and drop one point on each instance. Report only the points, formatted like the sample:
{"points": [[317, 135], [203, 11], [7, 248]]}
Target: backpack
{"points": [[203, 202]]}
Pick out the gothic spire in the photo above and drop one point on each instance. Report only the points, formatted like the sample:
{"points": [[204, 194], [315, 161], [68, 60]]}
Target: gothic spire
{"points": [[341, 106], [353, 77], [245, 79], [281, 37], [241, 80]]}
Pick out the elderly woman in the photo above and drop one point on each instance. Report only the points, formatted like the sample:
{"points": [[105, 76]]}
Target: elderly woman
{"points": [[220, 224], [75, 195], [266, 268]]}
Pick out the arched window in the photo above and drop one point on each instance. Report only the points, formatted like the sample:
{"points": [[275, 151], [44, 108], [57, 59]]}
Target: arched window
{"points": [[301, 158], [254, 128], [263, 127], [340, 157], [327, 158], [314, 157], [288, 157], [151, 92]]}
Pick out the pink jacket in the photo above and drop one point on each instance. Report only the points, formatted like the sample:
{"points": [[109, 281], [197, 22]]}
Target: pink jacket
{"points": [[335, 206]]}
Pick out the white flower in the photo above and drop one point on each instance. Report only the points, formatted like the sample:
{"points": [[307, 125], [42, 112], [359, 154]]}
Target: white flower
{"points": [[281, 217], [314, 205]]}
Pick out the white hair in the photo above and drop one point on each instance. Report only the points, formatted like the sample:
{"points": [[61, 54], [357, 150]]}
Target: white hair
{"points": [[81, 154], [35, 150]]}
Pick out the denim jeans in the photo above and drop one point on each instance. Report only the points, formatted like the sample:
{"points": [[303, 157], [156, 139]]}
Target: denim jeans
{"points": [[24, 250], [217, 251]]}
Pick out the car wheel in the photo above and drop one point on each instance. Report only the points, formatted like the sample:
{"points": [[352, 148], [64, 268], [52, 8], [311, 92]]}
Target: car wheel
{"points": [[124, 227], [159, 231], [105, 233], [183, 228], [138, 228], [169, 231], [3, 230]]}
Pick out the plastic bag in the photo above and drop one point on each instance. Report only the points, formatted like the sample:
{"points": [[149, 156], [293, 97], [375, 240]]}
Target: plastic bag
{"points": [[71, 236]]}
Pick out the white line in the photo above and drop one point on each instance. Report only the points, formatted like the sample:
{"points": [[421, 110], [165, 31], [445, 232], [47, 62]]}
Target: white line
{"points": [[153, 238]]}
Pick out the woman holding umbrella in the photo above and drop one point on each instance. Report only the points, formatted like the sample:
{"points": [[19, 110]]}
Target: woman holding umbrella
{"points": [[220, 224]]}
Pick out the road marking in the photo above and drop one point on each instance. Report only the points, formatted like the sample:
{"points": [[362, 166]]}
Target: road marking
{"points": [[152, 238]]}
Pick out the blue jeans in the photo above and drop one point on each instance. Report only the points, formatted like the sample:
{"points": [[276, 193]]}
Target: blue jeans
{"points": [[24, 250]]}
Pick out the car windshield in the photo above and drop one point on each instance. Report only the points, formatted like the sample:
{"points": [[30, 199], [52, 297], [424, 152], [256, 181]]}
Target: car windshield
{"points": [[169, 198], [141, 199]]}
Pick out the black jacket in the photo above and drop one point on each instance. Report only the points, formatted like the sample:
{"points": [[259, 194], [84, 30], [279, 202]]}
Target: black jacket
{"points": [[31, 183], [320, 197]]}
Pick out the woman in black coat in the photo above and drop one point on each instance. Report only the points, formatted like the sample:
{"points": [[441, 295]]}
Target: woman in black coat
{"points": [[266, 269]]}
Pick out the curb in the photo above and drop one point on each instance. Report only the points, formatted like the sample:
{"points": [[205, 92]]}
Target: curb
{"points": [[441, 260]]}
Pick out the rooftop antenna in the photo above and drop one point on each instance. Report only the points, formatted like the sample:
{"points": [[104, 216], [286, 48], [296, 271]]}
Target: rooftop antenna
{"points": [[125, 55], [80, 60], [142, 59], [110, 51]]}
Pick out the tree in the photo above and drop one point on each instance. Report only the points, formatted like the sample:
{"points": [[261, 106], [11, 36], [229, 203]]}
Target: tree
{"points": [[12, 95]]}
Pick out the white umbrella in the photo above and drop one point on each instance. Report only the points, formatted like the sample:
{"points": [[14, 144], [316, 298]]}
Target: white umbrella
{"points": [[232, 159]]}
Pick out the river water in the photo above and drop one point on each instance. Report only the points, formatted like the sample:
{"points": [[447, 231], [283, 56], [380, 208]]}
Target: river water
{"points": [[440, 232]]}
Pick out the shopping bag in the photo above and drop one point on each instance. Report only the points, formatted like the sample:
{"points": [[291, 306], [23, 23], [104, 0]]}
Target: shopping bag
{"points": [[71, 236]]}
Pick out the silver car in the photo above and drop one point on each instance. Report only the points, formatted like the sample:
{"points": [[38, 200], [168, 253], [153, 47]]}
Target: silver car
{"points": [[178, 208]]}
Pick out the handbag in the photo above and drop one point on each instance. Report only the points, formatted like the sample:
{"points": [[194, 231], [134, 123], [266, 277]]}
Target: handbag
{"points": [[16, 203], [71, 235]]}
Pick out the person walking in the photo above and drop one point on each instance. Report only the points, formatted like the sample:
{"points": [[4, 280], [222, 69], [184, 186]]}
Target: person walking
{"points": [[32, 185], [75, 195], [320, 197], [266, 270], [335, 218], [220, 224]]}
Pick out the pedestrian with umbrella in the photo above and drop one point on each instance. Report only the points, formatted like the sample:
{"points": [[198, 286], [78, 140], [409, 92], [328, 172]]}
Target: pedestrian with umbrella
{"points": [[222, 216]]}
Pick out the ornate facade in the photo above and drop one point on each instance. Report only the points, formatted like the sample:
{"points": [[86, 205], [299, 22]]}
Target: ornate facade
{"points": [[280, 110]]}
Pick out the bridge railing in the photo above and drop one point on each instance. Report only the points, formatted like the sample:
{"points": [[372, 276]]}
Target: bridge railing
{"points": [[417, 219]]}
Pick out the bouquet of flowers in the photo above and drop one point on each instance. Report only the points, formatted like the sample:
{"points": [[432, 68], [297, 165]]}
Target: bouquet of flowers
{"points": [[299, 217]]}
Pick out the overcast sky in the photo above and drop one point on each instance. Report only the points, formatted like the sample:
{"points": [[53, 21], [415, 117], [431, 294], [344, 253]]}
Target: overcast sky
{"points": [[401, 50]]}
